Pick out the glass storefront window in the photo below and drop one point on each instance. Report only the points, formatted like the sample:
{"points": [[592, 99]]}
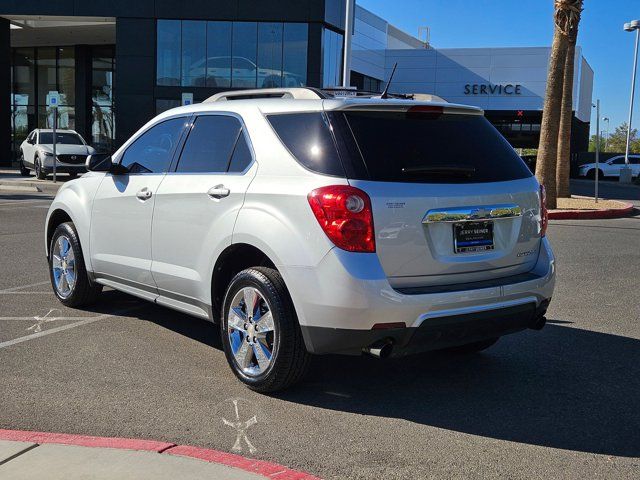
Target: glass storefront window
{"points": [[332, 43], [269, 55], [66, 75], [194, 57], [46, 62], [231, 54], [219, 54], [102, 115], [294, 53], [244, 51], [168, 52]]}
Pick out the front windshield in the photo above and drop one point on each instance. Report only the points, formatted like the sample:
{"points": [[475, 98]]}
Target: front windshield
{"points": [[63, 138]]}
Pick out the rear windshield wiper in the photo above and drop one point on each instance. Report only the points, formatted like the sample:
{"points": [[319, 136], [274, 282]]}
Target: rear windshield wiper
{"points": [[441, 170]]}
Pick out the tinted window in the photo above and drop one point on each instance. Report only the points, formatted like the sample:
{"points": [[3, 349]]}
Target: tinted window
{"points": [[617, 161], [428, 148], [46, 138], [210, 144], [308, 138], [241, 156], [152, 151]]}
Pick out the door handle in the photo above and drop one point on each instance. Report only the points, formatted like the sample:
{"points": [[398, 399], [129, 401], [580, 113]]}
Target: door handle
{"points": [[219, 191], [144, 194]]}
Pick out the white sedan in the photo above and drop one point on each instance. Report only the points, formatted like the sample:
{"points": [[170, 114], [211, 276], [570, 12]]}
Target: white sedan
{"points": [[611, 167], [36, 153]]}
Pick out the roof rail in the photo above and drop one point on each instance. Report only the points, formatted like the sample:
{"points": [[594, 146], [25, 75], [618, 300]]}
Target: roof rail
{"points": [[298, 93]]}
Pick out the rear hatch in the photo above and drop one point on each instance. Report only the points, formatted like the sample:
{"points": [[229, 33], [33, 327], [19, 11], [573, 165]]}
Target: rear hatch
{"points": [[452, 201]]}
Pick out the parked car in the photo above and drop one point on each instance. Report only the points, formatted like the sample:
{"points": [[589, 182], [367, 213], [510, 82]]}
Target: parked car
{"points": [[36, 153], [217, 71], [310, 224], [611, 167]]}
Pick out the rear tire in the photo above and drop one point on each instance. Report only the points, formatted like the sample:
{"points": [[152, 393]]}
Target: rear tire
{"points": [[40, 172], [473, 347], [24, 171], [67, 270], [265, 359]]}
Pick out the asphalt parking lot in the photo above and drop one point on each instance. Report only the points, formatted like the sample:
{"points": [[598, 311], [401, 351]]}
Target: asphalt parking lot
{"points": [[562, 402]]}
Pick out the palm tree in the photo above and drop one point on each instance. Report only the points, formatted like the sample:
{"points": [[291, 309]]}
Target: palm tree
{"points": [[564, 137], [548, 148]]}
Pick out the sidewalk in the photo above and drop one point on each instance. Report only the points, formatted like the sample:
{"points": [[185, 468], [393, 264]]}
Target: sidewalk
{"points": [[11, 180], [34, 455]]}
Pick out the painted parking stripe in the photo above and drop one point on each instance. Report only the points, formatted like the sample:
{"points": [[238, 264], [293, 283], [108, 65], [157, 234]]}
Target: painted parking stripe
{"points": [[22, 287], [87, 321]]}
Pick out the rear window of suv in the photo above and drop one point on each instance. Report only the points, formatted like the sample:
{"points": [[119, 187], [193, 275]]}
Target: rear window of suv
{"points": [[403, 147]]}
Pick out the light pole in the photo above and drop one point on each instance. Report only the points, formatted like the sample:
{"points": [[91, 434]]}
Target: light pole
{"points": [[625, 173], [350, 6], [597, 107], [606, 136]]}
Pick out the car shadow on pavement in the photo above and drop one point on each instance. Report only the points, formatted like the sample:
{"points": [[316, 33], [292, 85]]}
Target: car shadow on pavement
{"points": [[562, 387]]}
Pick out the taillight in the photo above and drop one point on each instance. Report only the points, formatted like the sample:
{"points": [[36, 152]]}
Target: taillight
{"points": [[345, 215], [544, 213]]}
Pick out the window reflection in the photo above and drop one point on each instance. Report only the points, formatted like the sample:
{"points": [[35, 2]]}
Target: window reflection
{"points": [[244, 53], [218, 54], [270, 55], [332, 43], [194, 59], [168, 55], [102, 116], [231, 54]]}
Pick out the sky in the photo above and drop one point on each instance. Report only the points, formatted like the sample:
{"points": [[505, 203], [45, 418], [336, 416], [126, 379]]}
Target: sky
{"points": [[529, 23]]}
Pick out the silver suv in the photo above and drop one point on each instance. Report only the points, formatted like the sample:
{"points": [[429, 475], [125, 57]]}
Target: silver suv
{"points": [[307, 223]]}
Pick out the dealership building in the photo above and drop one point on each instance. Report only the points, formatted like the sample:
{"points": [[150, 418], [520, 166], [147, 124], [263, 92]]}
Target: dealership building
{"points": [[117, 64]]}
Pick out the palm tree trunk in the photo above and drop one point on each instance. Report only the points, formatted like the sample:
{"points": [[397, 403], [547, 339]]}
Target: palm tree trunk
{"points": [[564, 139], [566, 18], [548, 148]]}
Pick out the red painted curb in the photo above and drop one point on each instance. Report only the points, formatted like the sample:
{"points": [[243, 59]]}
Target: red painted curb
{"points": [[260, 467], [267, 469], [591, 214], [84, 440]]}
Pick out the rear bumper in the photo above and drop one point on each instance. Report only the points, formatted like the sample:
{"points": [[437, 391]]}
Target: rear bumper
{"points": [[438, 333], [341, 300]]}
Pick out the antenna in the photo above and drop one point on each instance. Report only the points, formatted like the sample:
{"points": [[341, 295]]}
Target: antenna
{"points": [[386, 88]]}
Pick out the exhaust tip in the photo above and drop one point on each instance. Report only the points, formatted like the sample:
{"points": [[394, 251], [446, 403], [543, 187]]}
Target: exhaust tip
{"points": [[380, 350]]}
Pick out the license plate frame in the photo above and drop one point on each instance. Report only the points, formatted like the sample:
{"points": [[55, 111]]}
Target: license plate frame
{"points": [[473, 237]]}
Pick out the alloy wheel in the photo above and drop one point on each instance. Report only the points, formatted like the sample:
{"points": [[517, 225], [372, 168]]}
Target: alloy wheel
{"points": [[63, 265], [251, 331]]}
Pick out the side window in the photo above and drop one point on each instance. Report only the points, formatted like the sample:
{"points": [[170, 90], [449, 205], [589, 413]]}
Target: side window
{"points": [[151, 152], [210, 144], [617, 161], [241, 156]]}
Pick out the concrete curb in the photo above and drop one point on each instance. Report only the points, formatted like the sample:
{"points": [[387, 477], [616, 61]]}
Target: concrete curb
{"points": [[31, 186], [591, 214], [260, 467]]}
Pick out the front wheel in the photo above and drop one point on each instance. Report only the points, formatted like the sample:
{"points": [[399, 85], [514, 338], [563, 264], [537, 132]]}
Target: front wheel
{"points": [[41, 174], [67, 270], [260, 333]]}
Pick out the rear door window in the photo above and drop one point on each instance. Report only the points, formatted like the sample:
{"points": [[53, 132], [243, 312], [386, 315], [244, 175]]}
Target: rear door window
{"points": [[433, 148], [210, 144]]}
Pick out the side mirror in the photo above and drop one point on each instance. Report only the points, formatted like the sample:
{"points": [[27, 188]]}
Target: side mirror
{"points": [[98, 162]]}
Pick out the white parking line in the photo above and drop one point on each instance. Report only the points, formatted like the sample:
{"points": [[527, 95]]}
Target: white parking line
{"points": [[22, 287], [86, 321]]}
